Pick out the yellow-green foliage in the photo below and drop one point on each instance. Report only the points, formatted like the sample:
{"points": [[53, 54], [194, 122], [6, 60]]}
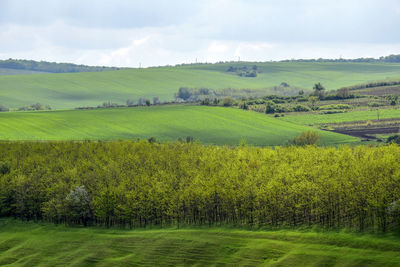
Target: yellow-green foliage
{"points": [[138, 184]]}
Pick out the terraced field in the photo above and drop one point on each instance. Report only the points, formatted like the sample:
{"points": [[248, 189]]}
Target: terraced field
{"points": [[209, 125], [30, 244], [90, 89]]}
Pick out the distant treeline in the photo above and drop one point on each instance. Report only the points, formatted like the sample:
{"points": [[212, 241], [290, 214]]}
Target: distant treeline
{"points": [[53, 67], [199, 94], [373, 84], [388, 59], [138, 184]]}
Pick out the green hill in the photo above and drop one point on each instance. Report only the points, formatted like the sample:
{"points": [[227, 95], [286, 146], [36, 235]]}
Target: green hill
{"points": [[71, 90], [30, 244], [210, 125]]}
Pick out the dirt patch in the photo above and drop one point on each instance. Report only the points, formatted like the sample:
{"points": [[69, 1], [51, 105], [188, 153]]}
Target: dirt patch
{"points": [[367, 133]]}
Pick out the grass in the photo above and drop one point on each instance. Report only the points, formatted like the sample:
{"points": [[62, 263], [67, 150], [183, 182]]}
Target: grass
{"points": [[209, 125], [42, 244], [316, 119], [71, 90]]}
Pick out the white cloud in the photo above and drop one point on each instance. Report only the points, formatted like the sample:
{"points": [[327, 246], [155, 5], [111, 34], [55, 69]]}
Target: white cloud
{"points": [[131, 32]]}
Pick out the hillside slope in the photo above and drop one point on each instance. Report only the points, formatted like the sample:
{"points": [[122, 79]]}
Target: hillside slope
{"points": [[90, 89], [209, 125], [30, 244]]}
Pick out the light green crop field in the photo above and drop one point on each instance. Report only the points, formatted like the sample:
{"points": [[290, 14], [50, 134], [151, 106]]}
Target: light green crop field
{"points": [[71, 90], [30, 244], [315, 119], [209, 125]]}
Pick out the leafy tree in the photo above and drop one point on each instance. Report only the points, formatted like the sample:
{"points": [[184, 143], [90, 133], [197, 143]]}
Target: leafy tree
{"points": [[79, 205], [184, 93], [156, 100], [130, 102], [319, 90], [270, 107], [343, 93]]}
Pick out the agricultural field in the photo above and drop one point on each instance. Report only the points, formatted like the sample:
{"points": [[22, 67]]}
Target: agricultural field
{"points": [[71, 90], [43, 244], [208, 125], [315, 119]]}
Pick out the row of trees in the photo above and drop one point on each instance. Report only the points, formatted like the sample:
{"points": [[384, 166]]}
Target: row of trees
{"points": [[138, 184], [49, 66]]}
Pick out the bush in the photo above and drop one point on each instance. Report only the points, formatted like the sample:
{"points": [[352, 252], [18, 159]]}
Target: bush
{"points": [[228, 101], [305, 139], [301, 108], [270, 107], [335, 106], [393, 139], [243, 105], [375, 104], [3, 108]]}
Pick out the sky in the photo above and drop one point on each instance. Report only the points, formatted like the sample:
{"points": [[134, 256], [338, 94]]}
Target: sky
{"points": [[133, 33]]}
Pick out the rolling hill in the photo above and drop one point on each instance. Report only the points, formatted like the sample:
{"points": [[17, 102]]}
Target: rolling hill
{"points": [[209, 125], [70, 90]]}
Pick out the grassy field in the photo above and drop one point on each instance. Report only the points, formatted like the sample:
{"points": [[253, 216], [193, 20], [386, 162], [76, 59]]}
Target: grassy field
{"points": [[90, 89], [315, 119], [30, 244], [210, 125]]}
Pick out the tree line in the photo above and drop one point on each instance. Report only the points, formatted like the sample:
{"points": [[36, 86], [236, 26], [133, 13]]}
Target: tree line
{"points": [[138, 184], [52, 67]]}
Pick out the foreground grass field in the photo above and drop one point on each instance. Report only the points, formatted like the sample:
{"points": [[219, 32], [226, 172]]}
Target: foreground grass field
{"points": [[315, 119], [31, 244], [90, 89], [210, 125]]}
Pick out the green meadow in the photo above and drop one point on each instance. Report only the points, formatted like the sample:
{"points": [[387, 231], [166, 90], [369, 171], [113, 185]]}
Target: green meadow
{"points": [[208, 125], [315, 118], [42, 244], [71, 90]]}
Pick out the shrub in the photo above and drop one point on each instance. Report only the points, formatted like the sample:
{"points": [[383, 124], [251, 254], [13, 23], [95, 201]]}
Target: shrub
{"points": [[270, 107], [375, 104], [243, 105], [335, 106], [393, 139], [301, 108], [306, 138], [228, 101]]}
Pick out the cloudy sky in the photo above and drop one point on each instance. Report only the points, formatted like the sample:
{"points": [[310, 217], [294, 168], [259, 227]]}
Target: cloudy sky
{"points": [[158, 32]]}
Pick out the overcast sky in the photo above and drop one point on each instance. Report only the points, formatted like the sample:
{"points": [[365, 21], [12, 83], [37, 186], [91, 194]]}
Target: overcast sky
{"points": [[158, 32]]}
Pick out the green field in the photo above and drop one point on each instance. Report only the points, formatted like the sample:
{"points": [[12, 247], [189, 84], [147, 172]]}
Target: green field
{"points": [[315, 119], [209, 125], [71, 90], [30, 244]]}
